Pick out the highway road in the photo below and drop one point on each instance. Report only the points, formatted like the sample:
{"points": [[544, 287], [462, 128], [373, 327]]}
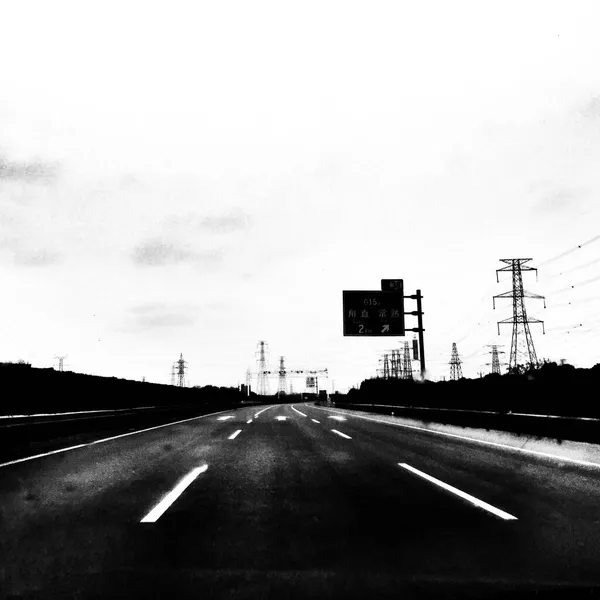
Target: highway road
{"points": [[296, 501]]}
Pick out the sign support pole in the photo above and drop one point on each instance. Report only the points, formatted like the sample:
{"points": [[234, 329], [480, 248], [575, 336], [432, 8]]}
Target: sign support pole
{"points": [[420, 325]]}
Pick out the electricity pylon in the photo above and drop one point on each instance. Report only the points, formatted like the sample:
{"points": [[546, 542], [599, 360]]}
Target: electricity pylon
{"points": [[407, 363], [281, 390], [521, 345], [262, 387], [495, 360], [455, 368]]}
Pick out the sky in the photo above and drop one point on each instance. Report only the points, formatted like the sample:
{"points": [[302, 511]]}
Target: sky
{"points": [[193, 177]]}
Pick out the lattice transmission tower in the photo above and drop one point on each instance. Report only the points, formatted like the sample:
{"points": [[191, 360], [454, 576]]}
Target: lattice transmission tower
{"points": [[282, 388], [455, 368], [178, 372], [61, 362], [262, 383], [395, 366], [522, 350], [496, 370], [407, 372]]}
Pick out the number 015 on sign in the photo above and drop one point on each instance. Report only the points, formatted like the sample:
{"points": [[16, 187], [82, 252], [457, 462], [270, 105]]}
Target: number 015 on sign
{"points": [[373, 313]]}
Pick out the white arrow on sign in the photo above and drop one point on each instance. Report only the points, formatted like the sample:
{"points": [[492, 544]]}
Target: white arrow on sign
{"points": [[385, 329]]}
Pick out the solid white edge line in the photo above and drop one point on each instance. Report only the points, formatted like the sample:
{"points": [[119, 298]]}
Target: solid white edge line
{"points": [[480, 503], [114, 437], [164, 504], [75, 412], [300, 413], [263, 410], [576, 461], [249, 421], [235, 434], [342, 434], [315, 421]]}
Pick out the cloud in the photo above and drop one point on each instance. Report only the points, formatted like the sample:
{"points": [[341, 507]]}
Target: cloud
{"points": [[39, 258], [33, 171], [167, 320], [225, 223], [158, 253], [560, 199], [591, 109], [29, 257], [220, 224], [156, 316]]}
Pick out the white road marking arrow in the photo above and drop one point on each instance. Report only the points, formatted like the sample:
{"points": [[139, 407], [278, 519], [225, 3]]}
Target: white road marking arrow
{"points": [[225, 418], [337, 418], [385, 329], [280, 418]]}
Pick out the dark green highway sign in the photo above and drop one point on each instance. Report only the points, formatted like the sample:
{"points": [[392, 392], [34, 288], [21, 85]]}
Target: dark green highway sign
{"points": [[373, 313]]}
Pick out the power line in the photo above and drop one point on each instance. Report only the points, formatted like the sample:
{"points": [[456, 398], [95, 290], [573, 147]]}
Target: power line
{"points": [[574, 301], [579, 284], [570, 251], [577, 268]]}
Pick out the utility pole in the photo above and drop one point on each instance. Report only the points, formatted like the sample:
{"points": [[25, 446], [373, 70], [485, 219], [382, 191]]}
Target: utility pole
{"points": [[420, 332], [455, 368], [262, 386], [519, 320]]}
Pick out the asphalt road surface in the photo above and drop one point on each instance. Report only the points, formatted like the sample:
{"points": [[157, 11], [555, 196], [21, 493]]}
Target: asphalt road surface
{"points": [[296, 501]]}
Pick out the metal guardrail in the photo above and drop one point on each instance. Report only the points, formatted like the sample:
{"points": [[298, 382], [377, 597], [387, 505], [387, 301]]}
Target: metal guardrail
{"points": [[581, 429], [477, 412]]}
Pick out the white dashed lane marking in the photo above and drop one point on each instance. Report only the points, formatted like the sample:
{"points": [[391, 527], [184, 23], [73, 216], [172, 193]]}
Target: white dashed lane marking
{"points": [[164, 504], [476, 501], [341, 434]]}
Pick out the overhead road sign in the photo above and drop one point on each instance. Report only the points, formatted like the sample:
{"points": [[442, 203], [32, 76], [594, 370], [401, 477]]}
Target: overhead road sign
{"points": [[373, 313]]}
